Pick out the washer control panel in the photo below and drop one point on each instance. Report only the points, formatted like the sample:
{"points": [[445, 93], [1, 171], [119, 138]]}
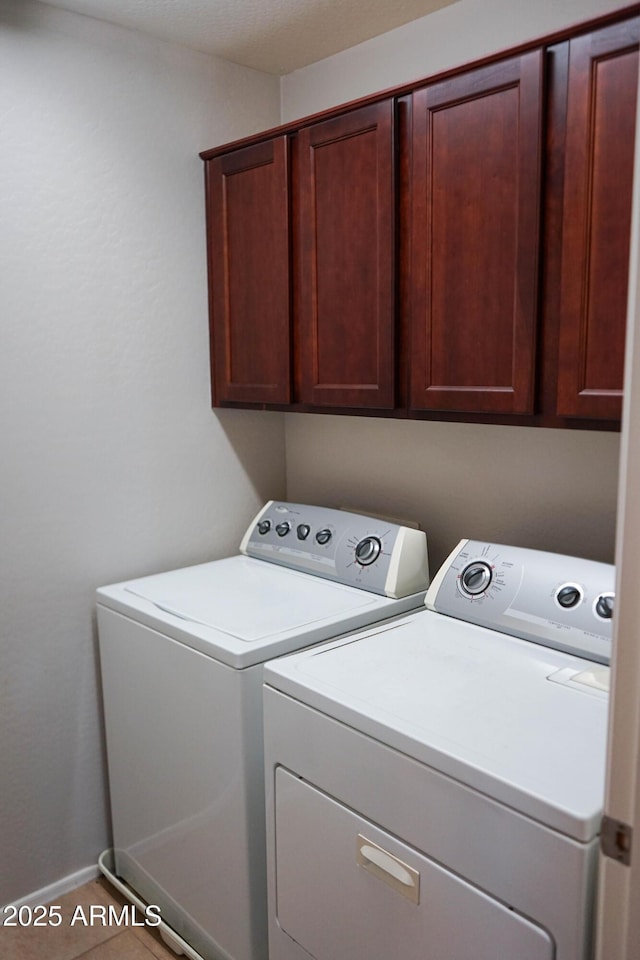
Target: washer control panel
{"points": [[562, 602], [360, 551]]}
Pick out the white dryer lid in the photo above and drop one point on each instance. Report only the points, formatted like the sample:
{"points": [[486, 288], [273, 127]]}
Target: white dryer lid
{"points": [[474, 704]]}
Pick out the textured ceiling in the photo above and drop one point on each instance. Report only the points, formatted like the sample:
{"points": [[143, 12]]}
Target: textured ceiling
{"points": [[276, 36]]}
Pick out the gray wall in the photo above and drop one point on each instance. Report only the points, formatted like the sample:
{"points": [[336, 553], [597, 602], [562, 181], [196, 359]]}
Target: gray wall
{"points": [[553, 490], [113, 464]]}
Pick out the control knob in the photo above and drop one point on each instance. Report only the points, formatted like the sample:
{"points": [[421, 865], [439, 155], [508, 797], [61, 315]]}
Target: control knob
{"points": [[604, 605], [303, 530], [282, 529], [368, 550], [323, 536], [569, 596], [476, 577], [263, 527]]}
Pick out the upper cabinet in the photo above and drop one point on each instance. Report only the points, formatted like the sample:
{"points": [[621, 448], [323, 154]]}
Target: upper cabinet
{"points": [[306, 219], [248, 247], [475, 202], [596, 220], [345, 296], [454, 249]]}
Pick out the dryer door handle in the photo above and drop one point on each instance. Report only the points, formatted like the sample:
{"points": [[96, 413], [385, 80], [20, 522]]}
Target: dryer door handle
{"points": [[388, 868]]}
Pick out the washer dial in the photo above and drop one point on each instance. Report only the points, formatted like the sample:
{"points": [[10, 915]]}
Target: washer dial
{"points": [[282, 528], [368, 551], [569, 595], [475, 578], [604, 606]]}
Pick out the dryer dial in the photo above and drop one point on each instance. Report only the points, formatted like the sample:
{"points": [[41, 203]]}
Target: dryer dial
{"points": [[475, 578]]}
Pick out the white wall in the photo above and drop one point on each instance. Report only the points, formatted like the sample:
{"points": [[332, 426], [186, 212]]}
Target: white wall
{"points": [[552, 489], [465, 31], [112, 463]]}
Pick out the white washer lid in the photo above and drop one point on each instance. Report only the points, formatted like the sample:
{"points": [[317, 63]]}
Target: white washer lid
{"points": [[244, 611], [475, 704], [246, 598]]}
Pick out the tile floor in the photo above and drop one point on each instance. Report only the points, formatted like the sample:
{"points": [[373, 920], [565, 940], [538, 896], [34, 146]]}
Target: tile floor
{"points": [[86, 941]]}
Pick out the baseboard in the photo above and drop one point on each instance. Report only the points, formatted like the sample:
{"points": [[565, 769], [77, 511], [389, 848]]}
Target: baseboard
{"points": [[57, 889]]}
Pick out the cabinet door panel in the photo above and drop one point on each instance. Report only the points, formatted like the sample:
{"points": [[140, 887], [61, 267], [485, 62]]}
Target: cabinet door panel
{"points": [[346, 302], [601, 108], [248, 225], [475, 239]]}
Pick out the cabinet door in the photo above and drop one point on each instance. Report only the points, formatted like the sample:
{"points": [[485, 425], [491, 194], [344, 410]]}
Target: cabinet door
{"points": [[249, 289], [346, 300], [599, 149], [475, 238]]}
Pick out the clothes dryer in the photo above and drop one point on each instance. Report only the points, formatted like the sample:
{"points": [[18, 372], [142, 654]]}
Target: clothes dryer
{"points": [[435, 785], [181, 656]]}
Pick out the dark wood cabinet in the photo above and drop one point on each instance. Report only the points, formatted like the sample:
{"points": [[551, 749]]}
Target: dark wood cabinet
{"points": [[302, 239], [345, 297], [475, 201], [454, 249], [602, 81], [249, 273]]}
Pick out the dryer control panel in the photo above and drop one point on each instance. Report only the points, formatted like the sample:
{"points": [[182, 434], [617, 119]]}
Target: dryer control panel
{"points": [[350, 548], [558, 601]]}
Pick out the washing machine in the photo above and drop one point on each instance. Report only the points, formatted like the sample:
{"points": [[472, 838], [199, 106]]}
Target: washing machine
{"points": [[181, 658], [435, 784]]}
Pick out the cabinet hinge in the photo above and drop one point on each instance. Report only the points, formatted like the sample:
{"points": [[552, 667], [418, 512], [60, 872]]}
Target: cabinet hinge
{"points": [[616, 839]]}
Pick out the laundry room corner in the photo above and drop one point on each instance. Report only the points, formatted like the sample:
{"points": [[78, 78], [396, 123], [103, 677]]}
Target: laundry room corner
{"points": [[247, 434], [318, 530]]}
